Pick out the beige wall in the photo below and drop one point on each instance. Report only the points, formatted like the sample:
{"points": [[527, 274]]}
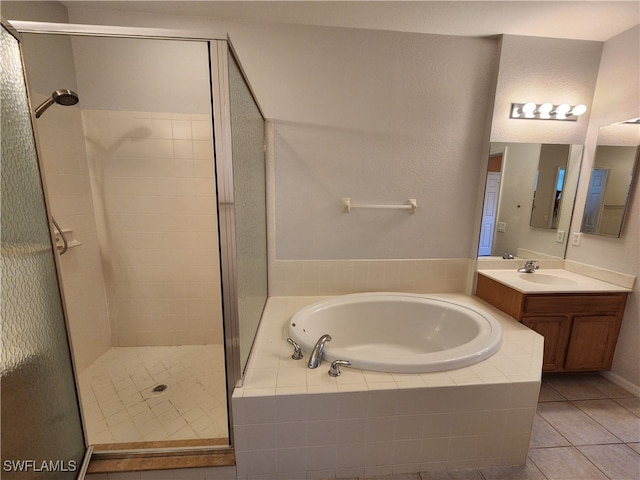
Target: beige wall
{"points": [[377, 116], [154, 195], [537, 69], [381, 128], [48, 58], [616, 98], [144, 75]]}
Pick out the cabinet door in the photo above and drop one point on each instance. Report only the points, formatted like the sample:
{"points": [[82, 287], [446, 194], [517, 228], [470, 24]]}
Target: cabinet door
{"points": [[555, 331], [592, 342]]}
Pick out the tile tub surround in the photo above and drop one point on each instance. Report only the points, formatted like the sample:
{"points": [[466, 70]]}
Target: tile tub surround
{"points": [[293, 422], [554, 454], [339, 277]]}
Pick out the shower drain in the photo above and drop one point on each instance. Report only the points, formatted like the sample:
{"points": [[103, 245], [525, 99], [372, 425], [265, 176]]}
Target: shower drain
{"points": [[159, 388]]}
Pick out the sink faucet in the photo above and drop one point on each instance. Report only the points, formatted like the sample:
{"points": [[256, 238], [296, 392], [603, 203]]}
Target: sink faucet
{"points": [[529, 267], [318, 350]]}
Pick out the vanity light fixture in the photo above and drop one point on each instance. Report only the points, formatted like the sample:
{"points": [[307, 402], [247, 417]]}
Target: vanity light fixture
{"points": [[547, 111]]}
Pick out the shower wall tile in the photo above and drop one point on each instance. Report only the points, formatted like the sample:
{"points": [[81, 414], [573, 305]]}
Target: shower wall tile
{"points": [[66, 175], [154, 195]]}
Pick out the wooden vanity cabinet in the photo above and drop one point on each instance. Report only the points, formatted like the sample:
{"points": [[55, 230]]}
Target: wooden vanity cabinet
{"points": [[580, 330], [555, 331]]}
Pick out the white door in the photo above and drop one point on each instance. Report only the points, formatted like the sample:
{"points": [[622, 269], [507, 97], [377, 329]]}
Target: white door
{"points": [[595, 198], [489, 211]]}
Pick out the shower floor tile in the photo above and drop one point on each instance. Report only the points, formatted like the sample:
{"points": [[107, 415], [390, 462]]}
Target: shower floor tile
{"points": [[120, 405]]}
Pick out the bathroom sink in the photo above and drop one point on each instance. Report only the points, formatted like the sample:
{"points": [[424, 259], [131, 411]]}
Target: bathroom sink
{"points": [[545, 279], [550, 280]]}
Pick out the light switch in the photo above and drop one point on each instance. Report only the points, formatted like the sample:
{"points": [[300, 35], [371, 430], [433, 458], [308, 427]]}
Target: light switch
{"points": [[502, 227]]}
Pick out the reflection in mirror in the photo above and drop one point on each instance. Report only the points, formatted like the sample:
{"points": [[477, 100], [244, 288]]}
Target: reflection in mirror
{"points": [[518, 173], [614, 165], [548, 184]]}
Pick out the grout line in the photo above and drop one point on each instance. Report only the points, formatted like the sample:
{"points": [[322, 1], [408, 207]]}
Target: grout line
{"points": [[596, 466], [529, 459], [555, 430], [571, 444], [140, 362], [624, 406], [573, 402]]}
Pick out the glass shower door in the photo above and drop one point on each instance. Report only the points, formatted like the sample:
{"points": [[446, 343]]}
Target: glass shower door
{"points": [[41, 429], [241, 179], [247, 139]]}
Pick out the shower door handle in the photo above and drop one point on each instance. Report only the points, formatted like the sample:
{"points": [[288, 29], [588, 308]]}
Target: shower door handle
{"points": [[65, 244]]}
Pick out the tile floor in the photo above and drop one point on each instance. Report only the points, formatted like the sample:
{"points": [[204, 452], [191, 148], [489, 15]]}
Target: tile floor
{"points": [[586, 428], [119, 403]]}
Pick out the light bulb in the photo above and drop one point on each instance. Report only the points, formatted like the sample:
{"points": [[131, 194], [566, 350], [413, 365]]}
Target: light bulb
{"points": [[515, 113], [562, 110], [579, 110], [529, 110], [545, 110]]}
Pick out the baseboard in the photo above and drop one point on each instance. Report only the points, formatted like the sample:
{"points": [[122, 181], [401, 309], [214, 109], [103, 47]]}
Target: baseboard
{"points": [[621, 382]]}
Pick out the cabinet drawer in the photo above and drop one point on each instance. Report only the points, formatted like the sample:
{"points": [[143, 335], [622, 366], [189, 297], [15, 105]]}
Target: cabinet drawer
{"points": [[574, 303]]}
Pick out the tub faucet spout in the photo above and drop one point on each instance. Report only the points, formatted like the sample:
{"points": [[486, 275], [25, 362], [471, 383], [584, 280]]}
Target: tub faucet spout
{"points": [[318, 350]]}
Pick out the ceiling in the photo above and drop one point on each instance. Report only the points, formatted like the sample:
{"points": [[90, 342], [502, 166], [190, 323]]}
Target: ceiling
{"points": [[583, 20]]}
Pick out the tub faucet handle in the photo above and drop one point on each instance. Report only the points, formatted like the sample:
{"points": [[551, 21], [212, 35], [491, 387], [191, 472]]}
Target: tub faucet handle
{"points": [[334, 371], [297, 352]]}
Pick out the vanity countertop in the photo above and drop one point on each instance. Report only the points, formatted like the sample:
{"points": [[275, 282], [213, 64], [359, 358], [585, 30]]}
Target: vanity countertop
{"points": [[551, 281]]}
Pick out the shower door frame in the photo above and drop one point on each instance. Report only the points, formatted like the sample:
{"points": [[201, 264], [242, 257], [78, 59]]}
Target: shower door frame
{"points": [[219, 49]]}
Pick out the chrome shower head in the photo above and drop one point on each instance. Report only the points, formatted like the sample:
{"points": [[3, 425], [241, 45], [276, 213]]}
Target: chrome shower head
{"points": [[61, 97]]}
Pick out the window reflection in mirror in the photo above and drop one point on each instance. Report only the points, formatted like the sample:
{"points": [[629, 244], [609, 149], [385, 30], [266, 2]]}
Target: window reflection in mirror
{"points": [[515, 171], [611, 179]]}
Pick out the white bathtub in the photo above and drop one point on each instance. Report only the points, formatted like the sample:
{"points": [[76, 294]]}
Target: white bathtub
{"points": [[398, 332]]}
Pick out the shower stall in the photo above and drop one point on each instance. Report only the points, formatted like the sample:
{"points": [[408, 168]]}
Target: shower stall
{"points": [[154, 172]]}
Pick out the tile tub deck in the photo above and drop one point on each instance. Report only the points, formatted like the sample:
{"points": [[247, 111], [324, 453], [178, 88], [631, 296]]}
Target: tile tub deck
{"points": [[292, 422]]}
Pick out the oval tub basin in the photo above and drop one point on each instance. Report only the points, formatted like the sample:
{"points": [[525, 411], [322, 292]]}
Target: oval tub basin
{"points": [[398, 332]]}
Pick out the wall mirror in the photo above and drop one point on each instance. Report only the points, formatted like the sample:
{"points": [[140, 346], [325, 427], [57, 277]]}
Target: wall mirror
{"points": [[529, 198], [548, 185], [614, 165]]}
